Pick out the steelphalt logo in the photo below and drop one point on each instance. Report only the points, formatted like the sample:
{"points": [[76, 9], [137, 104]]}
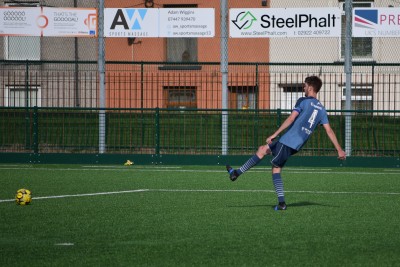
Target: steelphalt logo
{"points": [[245, 20], [367, 19]]}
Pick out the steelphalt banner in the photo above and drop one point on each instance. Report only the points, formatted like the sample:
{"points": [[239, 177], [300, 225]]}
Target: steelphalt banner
{"points": [[284, 22]]}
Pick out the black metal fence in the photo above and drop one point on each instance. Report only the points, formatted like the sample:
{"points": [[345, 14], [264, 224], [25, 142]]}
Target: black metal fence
{"points": [[164, 108], [187, 132], [197, 85]]}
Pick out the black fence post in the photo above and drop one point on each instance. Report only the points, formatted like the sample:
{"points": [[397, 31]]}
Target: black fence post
{"points": [[27, 111], [279, 117], [157, 131], [35, 130]]}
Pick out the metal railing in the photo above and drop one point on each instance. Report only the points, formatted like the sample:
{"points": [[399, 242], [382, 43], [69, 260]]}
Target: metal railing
{"points": [[163, 108], [187, 132], [165, 85]]}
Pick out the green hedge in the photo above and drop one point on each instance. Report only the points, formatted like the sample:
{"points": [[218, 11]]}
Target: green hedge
{"points": [[156, 131]]}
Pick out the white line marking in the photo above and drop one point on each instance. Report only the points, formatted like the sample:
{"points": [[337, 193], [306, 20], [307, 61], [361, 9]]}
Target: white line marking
{"points": [[293, 169], [64, 244], [207, 190], [129, 169], [270, 191], [83, 195], [394, 170], [136, 167], [16, 165]]}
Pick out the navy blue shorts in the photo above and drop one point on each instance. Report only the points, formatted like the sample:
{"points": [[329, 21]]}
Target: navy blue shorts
{"points": [[280, 154]]}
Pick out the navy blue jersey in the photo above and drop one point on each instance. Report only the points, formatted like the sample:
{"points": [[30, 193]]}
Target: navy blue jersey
{"points": [[311, 113]]}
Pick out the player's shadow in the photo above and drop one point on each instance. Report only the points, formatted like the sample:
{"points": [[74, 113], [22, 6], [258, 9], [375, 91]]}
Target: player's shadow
{"points": [[290, 205], [308, 203]]}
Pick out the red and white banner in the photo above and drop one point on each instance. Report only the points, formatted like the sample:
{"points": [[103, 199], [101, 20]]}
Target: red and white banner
{"points": [[376, 22], [47, 21]]}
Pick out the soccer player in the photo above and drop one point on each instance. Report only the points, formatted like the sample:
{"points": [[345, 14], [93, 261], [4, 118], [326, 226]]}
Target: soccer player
{"points": [[304, 118]]}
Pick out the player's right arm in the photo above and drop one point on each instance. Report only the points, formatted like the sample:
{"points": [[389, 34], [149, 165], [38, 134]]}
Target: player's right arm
{"points": [[284, 125]]}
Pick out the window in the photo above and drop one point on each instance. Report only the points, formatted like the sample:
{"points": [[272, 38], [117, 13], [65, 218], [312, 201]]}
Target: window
{"points": [[361, 98], [243, 97], [180, 96], [20, 96], [290, 94], [361, 46], [246, 101], [22, 47], [181, 49]]}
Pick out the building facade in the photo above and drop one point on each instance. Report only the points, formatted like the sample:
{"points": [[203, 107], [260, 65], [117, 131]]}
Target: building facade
{"points": [[182, 73]]}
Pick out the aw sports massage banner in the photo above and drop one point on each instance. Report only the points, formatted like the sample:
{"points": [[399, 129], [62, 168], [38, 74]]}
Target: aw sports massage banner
{"points": [[47, 21], [159, 22]]}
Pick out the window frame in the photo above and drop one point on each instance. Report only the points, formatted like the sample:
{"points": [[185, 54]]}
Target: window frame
{"points": [[359, 97], [342, 37], [243, 97], [296, 91], [186, 57], [19, 87], [180, 104], [8, 38]]}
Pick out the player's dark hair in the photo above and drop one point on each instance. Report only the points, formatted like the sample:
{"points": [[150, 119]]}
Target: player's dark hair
{"points": [[315, 82]]}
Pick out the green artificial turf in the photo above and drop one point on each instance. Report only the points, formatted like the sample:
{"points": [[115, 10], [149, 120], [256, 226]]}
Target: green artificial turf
{"points": [[195, 216]]}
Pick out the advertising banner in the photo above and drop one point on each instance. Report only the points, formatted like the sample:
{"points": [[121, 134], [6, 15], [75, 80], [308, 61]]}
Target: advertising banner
{"points": [[20, 21], [69, 22], [284, 22], [47, 21], [131, 22], [376, 22], [159, 22], [187, 22]]}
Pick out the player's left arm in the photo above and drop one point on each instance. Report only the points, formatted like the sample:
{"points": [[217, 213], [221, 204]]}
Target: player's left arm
{"points": [[332, 136]]}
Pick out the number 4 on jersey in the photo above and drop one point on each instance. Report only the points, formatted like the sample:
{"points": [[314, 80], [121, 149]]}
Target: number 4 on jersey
{"points": [[312, 118]]}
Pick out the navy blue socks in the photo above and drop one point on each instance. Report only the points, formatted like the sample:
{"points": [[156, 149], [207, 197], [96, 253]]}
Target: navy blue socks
{"points": [[253, 161], [278, 184]]}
